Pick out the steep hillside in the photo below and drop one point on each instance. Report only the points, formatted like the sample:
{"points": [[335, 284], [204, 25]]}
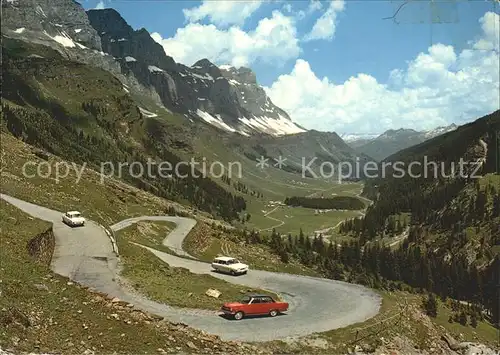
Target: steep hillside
{"points": [[393, 141], [455, 212], [83, 114], [227, 98], [436, 179]]}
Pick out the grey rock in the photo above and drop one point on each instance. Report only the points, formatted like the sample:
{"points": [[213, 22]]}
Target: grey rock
{"points": [[51, 18], [41, 287]]}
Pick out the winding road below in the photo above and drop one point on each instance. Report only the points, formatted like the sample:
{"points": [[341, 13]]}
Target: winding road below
{"points": [[86, 256]]}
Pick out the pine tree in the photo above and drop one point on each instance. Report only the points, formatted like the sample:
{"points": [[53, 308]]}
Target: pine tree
{"points": [[430, 305], [462, 318], [473, 320]]}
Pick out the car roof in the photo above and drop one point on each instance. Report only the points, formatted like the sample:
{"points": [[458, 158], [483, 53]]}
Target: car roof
{"points": [[73, 212], [225, 258]]}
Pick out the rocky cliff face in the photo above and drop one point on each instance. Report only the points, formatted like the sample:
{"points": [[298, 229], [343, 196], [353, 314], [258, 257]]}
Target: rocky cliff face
{"points": [[226, 97], [61, 20]]}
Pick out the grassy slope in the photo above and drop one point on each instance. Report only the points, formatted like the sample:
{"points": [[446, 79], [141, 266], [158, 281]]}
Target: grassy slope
{"points": [[95, 327], [206, 243], [484, 332], [276, 185], [107, 202], [63, 316], [401, 316], [160, 282], [119, 201], [114, 201], [297, 218]]}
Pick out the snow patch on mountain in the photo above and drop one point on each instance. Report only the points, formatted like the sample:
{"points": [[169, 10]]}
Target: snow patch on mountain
{"points": [[205, 77], [351, 137], [147, 113], [63, 39], [154, 69], [276, 127], [218, 122], [440, 130]]}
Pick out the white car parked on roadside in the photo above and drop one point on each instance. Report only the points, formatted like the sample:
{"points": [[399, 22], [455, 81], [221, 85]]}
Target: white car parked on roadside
{"points": [[73, 218], [229, 265]]}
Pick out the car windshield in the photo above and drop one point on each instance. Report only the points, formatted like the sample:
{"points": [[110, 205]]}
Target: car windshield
{"points": [[245, 300], [233, 261], [75, 215]]}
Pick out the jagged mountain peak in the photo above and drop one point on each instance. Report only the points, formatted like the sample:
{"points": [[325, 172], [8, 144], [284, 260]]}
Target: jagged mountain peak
{"points": [[242, 74], [440, 130], [203, 63], [230, 99], [120, 40], [110, 22]]}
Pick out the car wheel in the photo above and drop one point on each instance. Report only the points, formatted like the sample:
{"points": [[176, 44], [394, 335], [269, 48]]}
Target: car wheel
{"points": [[238, 315], [273, 313], [233, 272]]}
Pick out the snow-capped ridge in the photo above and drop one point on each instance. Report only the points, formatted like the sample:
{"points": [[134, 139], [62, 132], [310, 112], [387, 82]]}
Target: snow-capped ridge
{"points": [[440, 130]]}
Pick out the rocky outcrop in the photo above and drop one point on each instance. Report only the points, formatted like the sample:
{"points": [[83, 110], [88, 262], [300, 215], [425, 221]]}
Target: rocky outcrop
{"points": [[120, 40], [226, 97], [41, 247], [62, 19]]}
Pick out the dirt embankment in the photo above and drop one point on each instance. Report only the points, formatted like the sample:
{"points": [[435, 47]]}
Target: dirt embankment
{"points": [[41, 247]]}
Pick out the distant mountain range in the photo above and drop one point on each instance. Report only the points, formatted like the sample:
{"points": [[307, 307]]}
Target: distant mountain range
{"points": [[391, 141]]}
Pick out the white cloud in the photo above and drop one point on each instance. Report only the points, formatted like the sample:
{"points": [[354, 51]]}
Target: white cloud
{"points": [[491, 30], [437, 88], [274, 40], [223, 13], [314, 5], [287, 8], [325, 26], [101, 5]]}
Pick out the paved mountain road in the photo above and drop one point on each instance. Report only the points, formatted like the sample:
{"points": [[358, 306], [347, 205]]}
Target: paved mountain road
{"points": [[86, 256]]}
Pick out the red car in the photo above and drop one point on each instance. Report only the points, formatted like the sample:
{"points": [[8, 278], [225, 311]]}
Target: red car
{"points": [[254, 305]]}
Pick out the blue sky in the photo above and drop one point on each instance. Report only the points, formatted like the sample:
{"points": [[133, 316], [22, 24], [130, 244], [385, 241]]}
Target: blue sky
{"points": [[358, 41]]}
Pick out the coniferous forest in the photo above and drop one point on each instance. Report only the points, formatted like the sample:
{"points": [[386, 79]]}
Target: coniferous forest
{"points": [[408, 267], [338, 202], [452, 235]]}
